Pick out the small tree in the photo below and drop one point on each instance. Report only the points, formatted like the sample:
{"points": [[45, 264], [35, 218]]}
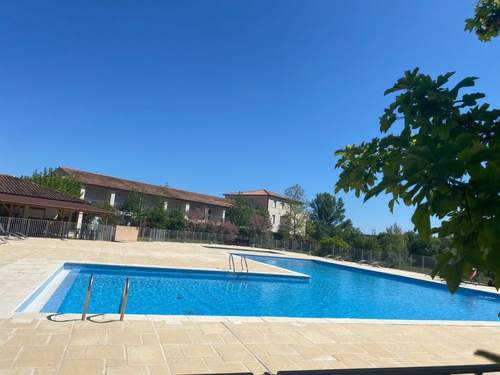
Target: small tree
{"points": [[50, 178], [240, 212], [297, 210], [175, 220], [133, 208], [394, 245], [157, 217]]}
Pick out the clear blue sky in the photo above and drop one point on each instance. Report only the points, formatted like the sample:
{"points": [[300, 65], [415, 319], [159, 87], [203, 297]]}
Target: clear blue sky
{"points": [[217, 96]]}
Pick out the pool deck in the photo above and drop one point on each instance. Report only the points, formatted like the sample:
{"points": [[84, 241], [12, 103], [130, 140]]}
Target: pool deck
{"points": [[33, 343]]}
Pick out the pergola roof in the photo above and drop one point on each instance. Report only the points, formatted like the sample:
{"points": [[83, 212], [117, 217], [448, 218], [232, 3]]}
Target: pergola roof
{"points": [[18, 191]]}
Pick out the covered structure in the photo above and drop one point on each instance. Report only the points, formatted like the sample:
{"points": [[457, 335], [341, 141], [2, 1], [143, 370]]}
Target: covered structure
{"points": [[25, 199]]}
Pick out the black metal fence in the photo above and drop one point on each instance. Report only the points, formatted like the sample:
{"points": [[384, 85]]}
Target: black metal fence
{"points": [[101, 232], [415, 263], [57, 229]]}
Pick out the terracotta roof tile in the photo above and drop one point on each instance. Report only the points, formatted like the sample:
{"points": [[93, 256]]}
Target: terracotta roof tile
{"points": [[141, 187], [256, 193], [25, 192]]}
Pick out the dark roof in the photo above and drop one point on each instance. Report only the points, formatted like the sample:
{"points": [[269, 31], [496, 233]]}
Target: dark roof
{"points": [[257, 193], [141, 187], [25, 192]]}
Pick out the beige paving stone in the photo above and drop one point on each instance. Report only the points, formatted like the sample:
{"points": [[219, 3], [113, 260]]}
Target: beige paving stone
{"points": [[8, 353], [255, 367], [5, 364], [122, 337], [144, 355], [311, 352], [82, 367], [16, 371], [173, 337], [216, 365], [173, 351], [187, 366], [39, 356], [233, 352], [126, 370], [105, 352], [150, 339], [198, 350], [75, 352], [60, 339], [88, 337], [20, 340], [116, 362], [45, 371], [159, 370]]}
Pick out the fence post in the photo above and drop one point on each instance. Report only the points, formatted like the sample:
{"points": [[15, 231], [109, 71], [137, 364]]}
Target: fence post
{"points": [[28, 223], [8, 224]]}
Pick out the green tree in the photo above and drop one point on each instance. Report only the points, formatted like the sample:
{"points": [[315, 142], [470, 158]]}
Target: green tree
{"points": [[157, 217], [175, 220], [297, 210], [486, 20], [445, 162], [240, 212], [328, 215], [394, 245], [134, 209], [51, 179]]}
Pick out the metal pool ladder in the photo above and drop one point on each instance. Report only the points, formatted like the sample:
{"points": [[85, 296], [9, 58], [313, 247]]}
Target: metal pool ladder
{"points": [[123, 302], [87, 297], [243, 263], [243, 259]]}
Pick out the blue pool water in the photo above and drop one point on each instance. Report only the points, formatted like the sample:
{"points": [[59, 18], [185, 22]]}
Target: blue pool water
{"points": [[331, 291]]}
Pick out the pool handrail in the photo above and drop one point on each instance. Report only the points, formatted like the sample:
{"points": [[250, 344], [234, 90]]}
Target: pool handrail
{"points": [[244, 258], [231, 262], [87, 297], [123, 302]]}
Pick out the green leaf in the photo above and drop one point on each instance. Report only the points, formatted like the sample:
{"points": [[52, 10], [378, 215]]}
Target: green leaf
{"points": [[421, 220]]}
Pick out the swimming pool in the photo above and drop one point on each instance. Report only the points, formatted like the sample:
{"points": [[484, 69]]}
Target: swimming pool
{"points": [[331, 290]]}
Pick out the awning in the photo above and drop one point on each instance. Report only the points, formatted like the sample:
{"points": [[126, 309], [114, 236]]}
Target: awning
{"points": [[52, 203]]}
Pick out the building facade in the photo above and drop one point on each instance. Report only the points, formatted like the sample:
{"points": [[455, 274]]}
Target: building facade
{"points": [[106, 190], [276, 204]]}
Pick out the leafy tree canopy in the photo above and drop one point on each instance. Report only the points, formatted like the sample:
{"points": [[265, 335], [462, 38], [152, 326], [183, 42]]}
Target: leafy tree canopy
{"points": [[297, 209], [50, 178], [134, 208], [445, 161], [486, 20]]}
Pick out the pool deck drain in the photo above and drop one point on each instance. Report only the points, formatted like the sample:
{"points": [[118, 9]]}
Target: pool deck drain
{"points": [[30, 343]]}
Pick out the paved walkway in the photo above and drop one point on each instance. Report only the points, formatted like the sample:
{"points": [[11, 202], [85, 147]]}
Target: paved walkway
{"points": [[61, 344]]}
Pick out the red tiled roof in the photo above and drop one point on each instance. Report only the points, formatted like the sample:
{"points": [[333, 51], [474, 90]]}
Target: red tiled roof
{"points": [[256, 193], [16, 190], [141, 187]]}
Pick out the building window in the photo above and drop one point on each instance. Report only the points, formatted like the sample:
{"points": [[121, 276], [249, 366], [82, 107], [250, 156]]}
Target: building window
{"points": [[274, 219], [274, 204], [282, 205]]}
